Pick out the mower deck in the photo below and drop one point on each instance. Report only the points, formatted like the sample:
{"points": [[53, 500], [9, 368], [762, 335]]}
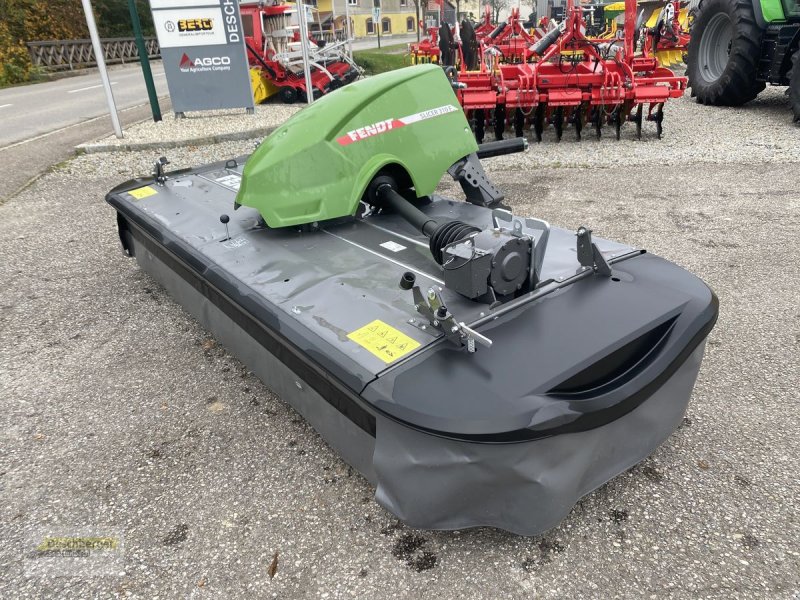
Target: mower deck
{"points": [[585, 377]]}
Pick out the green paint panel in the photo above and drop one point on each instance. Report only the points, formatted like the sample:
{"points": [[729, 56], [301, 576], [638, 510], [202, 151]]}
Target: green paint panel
{"points": [[317, 165], [772, 10]]}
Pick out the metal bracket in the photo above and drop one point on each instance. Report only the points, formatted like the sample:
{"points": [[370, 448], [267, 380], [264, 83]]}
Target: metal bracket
{"points": [[158, 170], [469, 173], [589, 254], [433, 308], [537, 229]]}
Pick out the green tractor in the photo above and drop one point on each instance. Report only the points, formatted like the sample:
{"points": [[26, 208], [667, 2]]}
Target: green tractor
{"points": [[739, 46]]}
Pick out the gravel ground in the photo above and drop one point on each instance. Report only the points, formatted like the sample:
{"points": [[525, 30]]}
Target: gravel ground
{"points": [[196, 128], [122, 415]]}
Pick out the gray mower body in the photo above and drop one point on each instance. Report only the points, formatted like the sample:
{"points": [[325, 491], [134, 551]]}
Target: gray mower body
{"points": [[585, 377]]}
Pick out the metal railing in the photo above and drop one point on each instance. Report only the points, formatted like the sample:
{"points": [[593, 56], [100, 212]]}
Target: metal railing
{"points": [[73, 54], [329, 36]]}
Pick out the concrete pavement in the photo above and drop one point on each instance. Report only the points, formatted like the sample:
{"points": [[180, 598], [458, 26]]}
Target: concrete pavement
{"points": [[121, 416], [31, 110]]}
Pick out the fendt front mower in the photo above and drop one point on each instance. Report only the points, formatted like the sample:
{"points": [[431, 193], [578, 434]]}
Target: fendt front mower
{"points": [[478, 368], [737, 47]]}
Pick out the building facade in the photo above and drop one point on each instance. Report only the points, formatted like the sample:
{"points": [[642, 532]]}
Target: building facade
{"points": [[398, 17]]}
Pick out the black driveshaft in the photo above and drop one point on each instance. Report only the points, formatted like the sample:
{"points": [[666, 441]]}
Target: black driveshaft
{"points": [[441, 234], [405, 209], [501, 147]]}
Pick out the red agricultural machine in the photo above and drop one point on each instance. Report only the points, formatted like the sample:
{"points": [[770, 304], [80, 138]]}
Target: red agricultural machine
{"points": [[565, 78], [450, 46], [272, 38]]}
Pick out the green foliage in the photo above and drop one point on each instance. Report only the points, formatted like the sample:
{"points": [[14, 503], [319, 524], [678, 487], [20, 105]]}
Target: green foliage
{"points": [[375, 61], [24, 21], [15, 62], [114, 17]]}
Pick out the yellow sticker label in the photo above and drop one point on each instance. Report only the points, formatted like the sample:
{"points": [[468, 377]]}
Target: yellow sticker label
{"points": [[143, 192], [384, 341]]}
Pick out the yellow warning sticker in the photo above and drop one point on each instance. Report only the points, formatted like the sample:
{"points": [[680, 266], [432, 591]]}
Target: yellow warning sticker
{"points": [[143, 192], [384, 341]]}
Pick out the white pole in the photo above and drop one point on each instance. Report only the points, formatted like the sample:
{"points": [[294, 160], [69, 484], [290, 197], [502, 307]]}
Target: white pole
{"points": [[101, 66], [301, 20], [347, 28]]}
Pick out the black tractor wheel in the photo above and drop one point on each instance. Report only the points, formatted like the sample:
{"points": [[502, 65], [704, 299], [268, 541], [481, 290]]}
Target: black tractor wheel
{"points": [[287, 94], [794, 85], [723, 53]]}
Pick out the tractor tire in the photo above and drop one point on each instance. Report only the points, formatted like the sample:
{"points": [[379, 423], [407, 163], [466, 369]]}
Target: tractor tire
{"points": [[723, 53], [794, 85], [287, 94]]}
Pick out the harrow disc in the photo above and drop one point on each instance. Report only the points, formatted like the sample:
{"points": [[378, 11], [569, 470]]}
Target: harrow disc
{"points": [[577, 116], [638, 120], [558, 122], [519, 123], [499, 121], [479, 124], [538, 122], [597, 120], [659, 120]]}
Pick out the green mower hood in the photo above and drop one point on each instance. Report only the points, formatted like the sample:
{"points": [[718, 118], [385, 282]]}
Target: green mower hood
{"points": [[317, 165]]}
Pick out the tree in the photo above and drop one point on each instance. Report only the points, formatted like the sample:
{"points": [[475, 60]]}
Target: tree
{"points": [[24, 21], [497, 7], [114, 17], [420, 6]]}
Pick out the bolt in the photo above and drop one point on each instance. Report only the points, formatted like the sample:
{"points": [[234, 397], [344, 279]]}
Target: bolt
{"points": [[454, 329], [435, 323], [423, 327], [431, 294]]}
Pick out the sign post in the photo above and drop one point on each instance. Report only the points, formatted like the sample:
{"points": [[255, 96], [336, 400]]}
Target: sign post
{"points": [[347, 29], [101, 66], [144, 60], [376, 18], [302, 22], [203, 52]]}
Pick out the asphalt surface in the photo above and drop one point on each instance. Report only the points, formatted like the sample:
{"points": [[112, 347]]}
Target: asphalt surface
{"points": [[28, 111], [121, 416]]}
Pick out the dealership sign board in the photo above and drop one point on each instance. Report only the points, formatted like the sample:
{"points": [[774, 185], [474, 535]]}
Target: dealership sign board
{"points": [[202, 48]]}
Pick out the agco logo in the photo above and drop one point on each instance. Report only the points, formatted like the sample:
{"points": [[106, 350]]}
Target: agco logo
{"points": [[195, 25], [207, 63]]}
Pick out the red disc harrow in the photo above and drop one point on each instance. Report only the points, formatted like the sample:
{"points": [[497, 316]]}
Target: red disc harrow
{"points": [[563, 79]]}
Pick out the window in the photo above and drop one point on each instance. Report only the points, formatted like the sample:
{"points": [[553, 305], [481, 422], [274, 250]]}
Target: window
{"points": [[352, 2], [410, 24], [403, 2], [370, 27], [386, 26]]}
